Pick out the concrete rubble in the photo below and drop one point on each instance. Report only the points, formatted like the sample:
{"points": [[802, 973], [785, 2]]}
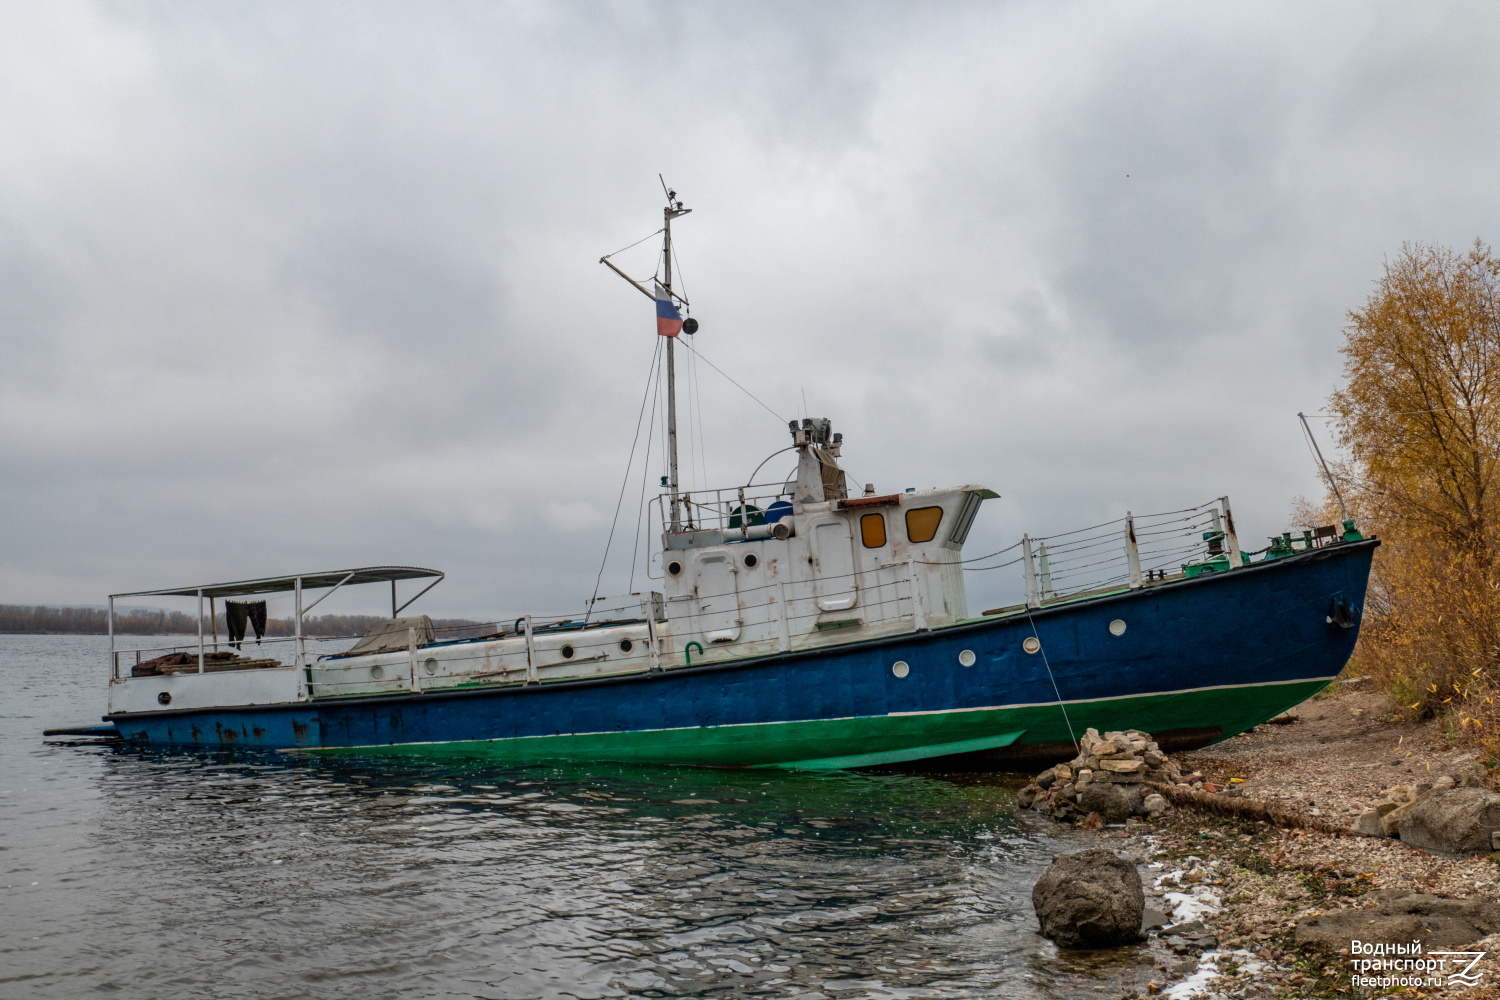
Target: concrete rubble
{"points": [[1108, 781]]}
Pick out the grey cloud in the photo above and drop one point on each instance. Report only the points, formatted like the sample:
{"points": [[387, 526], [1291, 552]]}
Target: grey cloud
{"points": [[288, 286]]}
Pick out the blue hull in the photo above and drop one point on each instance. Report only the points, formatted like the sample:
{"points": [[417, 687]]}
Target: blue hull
{"points": [[1215, 655]]}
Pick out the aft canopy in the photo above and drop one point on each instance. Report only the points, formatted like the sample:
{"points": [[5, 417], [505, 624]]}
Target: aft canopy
{"points": [[308, 581]]}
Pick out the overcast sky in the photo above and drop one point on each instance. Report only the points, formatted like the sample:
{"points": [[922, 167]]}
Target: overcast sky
{"points": [[297, 286]]}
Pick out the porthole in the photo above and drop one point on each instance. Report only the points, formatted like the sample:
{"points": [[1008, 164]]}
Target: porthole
{"points": [[626, 645], [674, 567], [751, 560], [900, 668], [966, 658], [165, 698], [430, 665], [567, 651], [377, 672], [1032, 644], [1117, 627]]}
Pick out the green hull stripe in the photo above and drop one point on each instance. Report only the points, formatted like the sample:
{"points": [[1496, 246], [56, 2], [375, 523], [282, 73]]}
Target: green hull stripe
{"points": [[901, 756], [1232, 709]]}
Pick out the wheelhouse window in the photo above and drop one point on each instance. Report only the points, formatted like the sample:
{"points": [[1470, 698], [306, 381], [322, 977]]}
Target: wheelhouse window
{"points": [[872, 530], [922, 523]]}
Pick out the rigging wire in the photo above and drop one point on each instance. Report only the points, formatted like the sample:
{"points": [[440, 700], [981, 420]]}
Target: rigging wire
{"points": [[1307, 432], [696, 465], [639, 419], [991, 555], [981, 569], [635, 244], [641, 511], [677, 265], [1043, 650], [687, 473], [698, 402], [734, 383]]}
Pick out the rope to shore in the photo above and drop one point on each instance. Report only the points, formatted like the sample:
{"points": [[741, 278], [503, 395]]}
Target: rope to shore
{"points": [[1252, 809]]}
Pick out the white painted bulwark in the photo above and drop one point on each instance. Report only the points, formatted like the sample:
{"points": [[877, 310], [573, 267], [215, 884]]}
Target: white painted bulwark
{"points": [[265, 686]]}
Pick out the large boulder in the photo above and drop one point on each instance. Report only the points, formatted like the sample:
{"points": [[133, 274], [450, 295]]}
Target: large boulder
{"points": [[1400, 917], [1113, 802], [1452, 820], [1091, 899]]}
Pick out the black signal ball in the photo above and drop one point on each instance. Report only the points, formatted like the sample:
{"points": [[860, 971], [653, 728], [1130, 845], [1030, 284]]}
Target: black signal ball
{"points": [[690, 325]]}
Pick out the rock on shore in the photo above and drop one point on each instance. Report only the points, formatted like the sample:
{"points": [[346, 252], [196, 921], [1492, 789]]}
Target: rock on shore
{"points": [[1452, 820], [1091, 899], [1453, 814], [1396, 916]]}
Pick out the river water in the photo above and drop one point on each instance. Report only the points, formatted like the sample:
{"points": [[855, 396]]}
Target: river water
{"points": [[145, 873]]}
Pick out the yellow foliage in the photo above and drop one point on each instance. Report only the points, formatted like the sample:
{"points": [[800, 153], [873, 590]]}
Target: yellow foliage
{"points": [[1420, 418]]}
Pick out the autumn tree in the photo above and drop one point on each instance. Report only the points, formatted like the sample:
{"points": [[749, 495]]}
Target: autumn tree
{"points": [[1419, 417]]}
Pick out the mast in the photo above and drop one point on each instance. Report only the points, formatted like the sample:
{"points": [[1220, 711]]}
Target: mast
{"points": [[672, 210], [666, 252]]}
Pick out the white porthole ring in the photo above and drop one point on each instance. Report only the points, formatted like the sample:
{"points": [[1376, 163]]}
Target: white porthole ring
{"points": [[1117, 627], [1032, 644], [900, 668], [966, 658], [430, 665], [377, 672]]}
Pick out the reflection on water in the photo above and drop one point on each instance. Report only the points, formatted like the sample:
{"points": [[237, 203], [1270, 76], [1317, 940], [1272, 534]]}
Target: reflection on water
{"points": [[152, 873]]}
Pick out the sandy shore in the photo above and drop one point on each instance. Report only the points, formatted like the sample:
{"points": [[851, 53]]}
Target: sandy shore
{"points": [[1330, 757]]}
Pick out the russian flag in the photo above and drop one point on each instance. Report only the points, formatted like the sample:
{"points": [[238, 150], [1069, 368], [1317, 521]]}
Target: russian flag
{"points": [[668, 319]]}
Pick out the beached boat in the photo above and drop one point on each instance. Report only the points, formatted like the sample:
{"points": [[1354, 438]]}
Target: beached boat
{"points": [[798, 623]]}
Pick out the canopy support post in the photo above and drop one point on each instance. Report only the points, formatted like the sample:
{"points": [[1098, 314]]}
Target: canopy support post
{"points": [[424, 590], [336, 586], [301, 659], [200, 630], [114, 658], [393, 599]]}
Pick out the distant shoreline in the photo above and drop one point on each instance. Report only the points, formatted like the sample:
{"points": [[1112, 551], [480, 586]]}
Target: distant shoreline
{"points": [[21, 619]]}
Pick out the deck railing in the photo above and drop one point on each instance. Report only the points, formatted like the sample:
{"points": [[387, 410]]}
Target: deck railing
{"points": [[736, 509], [770, 617], [1134, 551]]}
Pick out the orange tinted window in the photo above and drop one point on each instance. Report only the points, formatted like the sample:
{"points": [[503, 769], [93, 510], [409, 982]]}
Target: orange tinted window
{"points": [[922, 523], [872, 530]]}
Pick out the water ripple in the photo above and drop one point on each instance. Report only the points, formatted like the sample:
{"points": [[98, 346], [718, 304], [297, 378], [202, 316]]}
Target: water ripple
{"points": [[250, 875]]}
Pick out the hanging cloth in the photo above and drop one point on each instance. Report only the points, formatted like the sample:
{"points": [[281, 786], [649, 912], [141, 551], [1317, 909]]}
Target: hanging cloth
{"points": [[236, 617], [240, 614], [257, 611]]}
